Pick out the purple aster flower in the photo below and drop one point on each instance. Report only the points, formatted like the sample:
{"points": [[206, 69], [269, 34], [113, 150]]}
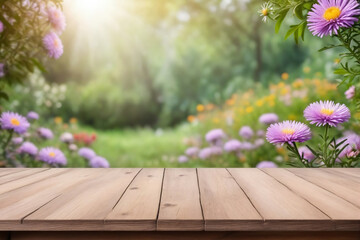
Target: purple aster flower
{"points": [[246, 132], [215, 136], [215, 150], [353, 141], [259, 142], [53, 45], [183, 159], [288, 132], [322, 113], [247, 146], [17, 140], [32, 115], [45, 133], [99, 162], [52, 155], [233, 145], [308, 155], [327, 16], [2, 70], [86, 153], [56, 18], [192, 151], [14, 121], [268, 118], [1, 27], [350, 93], [266, 164], [205, 153], [260, 133], [28, 148]]}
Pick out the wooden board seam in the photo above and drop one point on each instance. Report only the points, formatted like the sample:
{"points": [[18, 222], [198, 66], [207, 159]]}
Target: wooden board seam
{"points": [[104, 220], [263, 219], [54, 175], [201, 206], [22, 219], [323, 188], [161, 193]]}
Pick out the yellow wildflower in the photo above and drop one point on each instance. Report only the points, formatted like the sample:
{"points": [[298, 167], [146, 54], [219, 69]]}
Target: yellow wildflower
{"points": [[200, 108], [58, 120], [285, 76], [306, 69], [249, 109]]}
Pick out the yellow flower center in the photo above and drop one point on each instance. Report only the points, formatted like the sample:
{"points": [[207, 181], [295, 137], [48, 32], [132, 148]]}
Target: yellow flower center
{"points": [[56, 43], [51, 154], [331, 13], [326, 111], [288, 131], [15, 122], [264, 11]]}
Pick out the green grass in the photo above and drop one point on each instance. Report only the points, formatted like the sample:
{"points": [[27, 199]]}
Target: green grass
{"points": [[140, 147]]}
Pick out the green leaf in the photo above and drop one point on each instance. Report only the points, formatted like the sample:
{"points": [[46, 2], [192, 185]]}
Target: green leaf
{"points": [[280, 19], [3, 95], [340, 71], [298, 11], [38, 65]]}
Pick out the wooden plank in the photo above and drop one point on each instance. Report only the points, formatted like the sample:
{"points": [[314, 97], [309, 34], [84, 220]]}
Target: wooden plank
{"points": [[20, 174], [340, 186], [138, 207], [81, 206], [281, 208], [6, 171], [329, 203], [40, 176], [16, 205], [225, 206], [260, 235], [180, 207], [344, 173]]}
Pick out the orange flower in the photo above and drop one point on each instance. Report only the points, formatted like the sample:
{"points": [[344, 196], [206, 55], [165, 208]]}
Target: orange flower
{"points": [[284, 76], [200, 108], [210, 106], [230, 102], [58, 120], [191, 118], [73, 120]]}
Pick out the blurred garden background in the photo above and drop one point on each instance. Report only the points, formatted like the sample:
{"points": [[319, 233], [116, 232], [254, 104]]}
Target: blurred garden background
{"points": [[141, 82]]}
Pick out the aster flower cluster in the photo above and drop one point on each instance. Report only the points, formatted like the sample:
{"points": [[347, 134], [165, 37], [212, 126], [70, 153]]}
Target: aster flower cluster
{"points": [[49, 21], [18, 139], [331, 152], [92, 159], [218, 143], [336, 18]]}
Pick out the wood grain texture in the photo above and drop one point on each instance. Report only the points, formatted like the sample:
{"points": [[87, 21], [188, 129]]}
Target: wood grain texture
{"points": [[20, 174], [180, 200], [88, 203], [27, 180], [185, 235], [340, 186], [272, 199], [138, 207], [225, 206], [180, 207], [329, 203], [16, 205], [6, 171]]}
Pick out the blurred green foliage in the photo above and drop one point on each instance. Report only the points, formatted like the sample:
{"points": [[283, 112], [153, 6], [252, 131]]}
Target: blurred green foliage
{"points": [[151, 62]]}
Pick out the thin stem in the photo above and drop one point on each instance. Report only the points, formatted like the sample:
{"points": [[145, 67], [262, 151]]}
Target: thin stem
{"points": [[325, 146], [6, 143], [347, 46]]}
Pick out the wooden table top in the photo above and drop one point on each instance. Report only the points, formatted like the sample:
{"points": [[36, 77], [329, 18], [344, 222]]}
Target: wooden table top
{"points": [[180, 199]]}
